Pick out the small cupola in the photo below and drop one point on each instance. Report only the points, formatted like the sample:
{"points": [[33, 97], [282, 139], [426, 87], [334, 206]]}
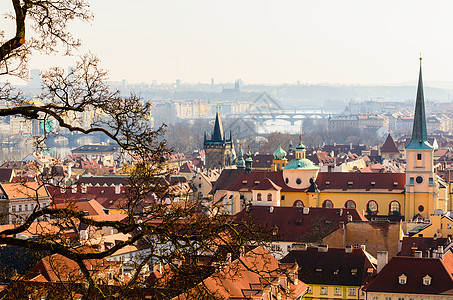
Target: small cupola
{"points": [[279, 154]]}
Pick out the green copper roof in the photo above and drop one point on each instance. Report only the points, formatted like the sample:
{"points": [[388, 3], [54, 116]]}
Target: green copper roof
{"points": [[419, 133], [279, 153], [249, 157], [302, 163], [240, 161], [300, 146]]}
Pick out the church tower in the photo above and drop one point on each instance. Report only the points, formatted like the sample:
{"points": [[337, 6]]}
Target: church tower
{"points": [[421, 190], [218, 148]]}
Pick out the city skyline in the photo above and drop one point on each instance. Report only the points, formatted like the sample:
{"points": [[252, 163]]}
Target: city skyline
{"points": [[266, 42]]}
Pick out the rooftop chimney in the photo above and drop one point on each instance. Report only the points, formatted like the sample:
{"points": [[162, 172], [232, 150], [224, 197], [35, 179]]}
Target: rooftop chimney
{"points": [[382, 260], [348, 249]]}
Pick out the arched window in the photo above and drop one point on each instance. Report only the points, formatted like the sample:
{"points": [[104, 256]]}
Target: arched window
{"points": [[298, 203], [349, 204], [327, 204], [394, 208], [269, 197], [259, 197], [372, 208]]}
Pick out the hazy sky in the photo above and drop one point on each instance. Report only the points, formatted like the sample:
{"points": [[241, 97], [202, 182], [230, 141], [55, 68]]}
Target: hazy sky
{"points": [[366, 42]]}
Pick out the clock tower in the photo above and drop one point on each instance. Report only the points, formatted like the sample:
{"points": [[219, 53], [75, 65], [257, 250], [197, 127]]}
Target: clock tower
{"points": [[421, 185]]}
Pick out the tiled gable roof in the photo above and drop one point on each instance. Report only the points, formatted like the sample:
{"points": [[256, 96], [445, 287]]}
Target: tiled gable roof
{"points": [[238, 280], [333, 267], [415, 269], [246, 182], [292, 223], [342, 181], [103, 180], [265, 185], [411, 244], [389, 145]]}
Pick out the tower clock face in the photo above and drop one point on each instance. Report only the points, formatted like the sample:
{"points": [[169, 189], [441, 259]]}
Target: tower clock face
{"points": [[419, 179]]}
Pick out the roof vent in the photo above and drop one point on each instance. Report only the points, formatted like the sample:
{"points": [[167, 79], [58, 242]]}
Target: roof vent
{"points": [[302, 247], [323, 248]]}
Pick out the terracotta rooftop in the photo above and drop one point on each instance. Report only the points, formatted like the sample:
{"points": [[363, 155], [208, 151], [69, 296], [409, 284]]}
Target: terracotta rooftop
{"points": [[357, 182], [415, 269], [238, 280], [411, 244], [333, 267], [389, 145], [294, 223]]}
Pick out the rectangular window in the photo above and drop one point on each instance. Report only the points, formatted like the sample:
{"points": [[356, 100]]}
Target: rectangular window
{"points": [[375, 298], [337, 291], [351, 291], [449, 226], [13, 208], [25, 207], [283, 197], [400, 298], [411, 180], [388, 298], [419, 156], [323, 290], [20, 207]]}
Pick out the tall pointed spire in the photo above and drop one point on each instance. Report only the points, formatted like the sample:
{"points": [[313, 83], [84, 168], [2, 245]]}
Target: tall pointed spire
{"points": [[218, 134], [419, 132]]}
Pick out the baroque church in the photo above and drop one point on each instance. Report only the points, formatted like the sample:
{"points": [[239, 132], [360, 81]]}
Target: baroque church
{"points": [[416, 194]]}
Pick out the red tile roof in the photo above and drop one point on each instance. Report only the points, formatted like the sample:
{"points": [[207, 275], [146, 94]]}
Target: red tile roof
{"points": [[339, 181], [415, 269], [389, 145], [251, 275], [334, 267], [265, 185], [411, 244], [293, 225]]}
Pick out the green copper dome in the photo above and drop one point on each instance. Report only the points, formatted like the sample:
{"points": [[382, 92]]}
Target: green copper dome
{"points": [[279, 153], [300, 147], [300, 163]]}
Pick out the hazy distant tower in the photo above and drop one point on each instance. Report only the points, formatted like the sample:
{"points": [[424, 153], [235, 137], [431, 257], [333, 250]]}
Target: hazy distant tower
{"points": [[218, 148]]}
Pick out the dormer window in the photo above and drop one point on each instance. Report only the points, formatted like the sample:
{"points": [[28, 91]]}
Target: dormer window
{"points": [[427, 280], [350, 183], [402, 279], [327, 183], [373, 183], [395, 183]]}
